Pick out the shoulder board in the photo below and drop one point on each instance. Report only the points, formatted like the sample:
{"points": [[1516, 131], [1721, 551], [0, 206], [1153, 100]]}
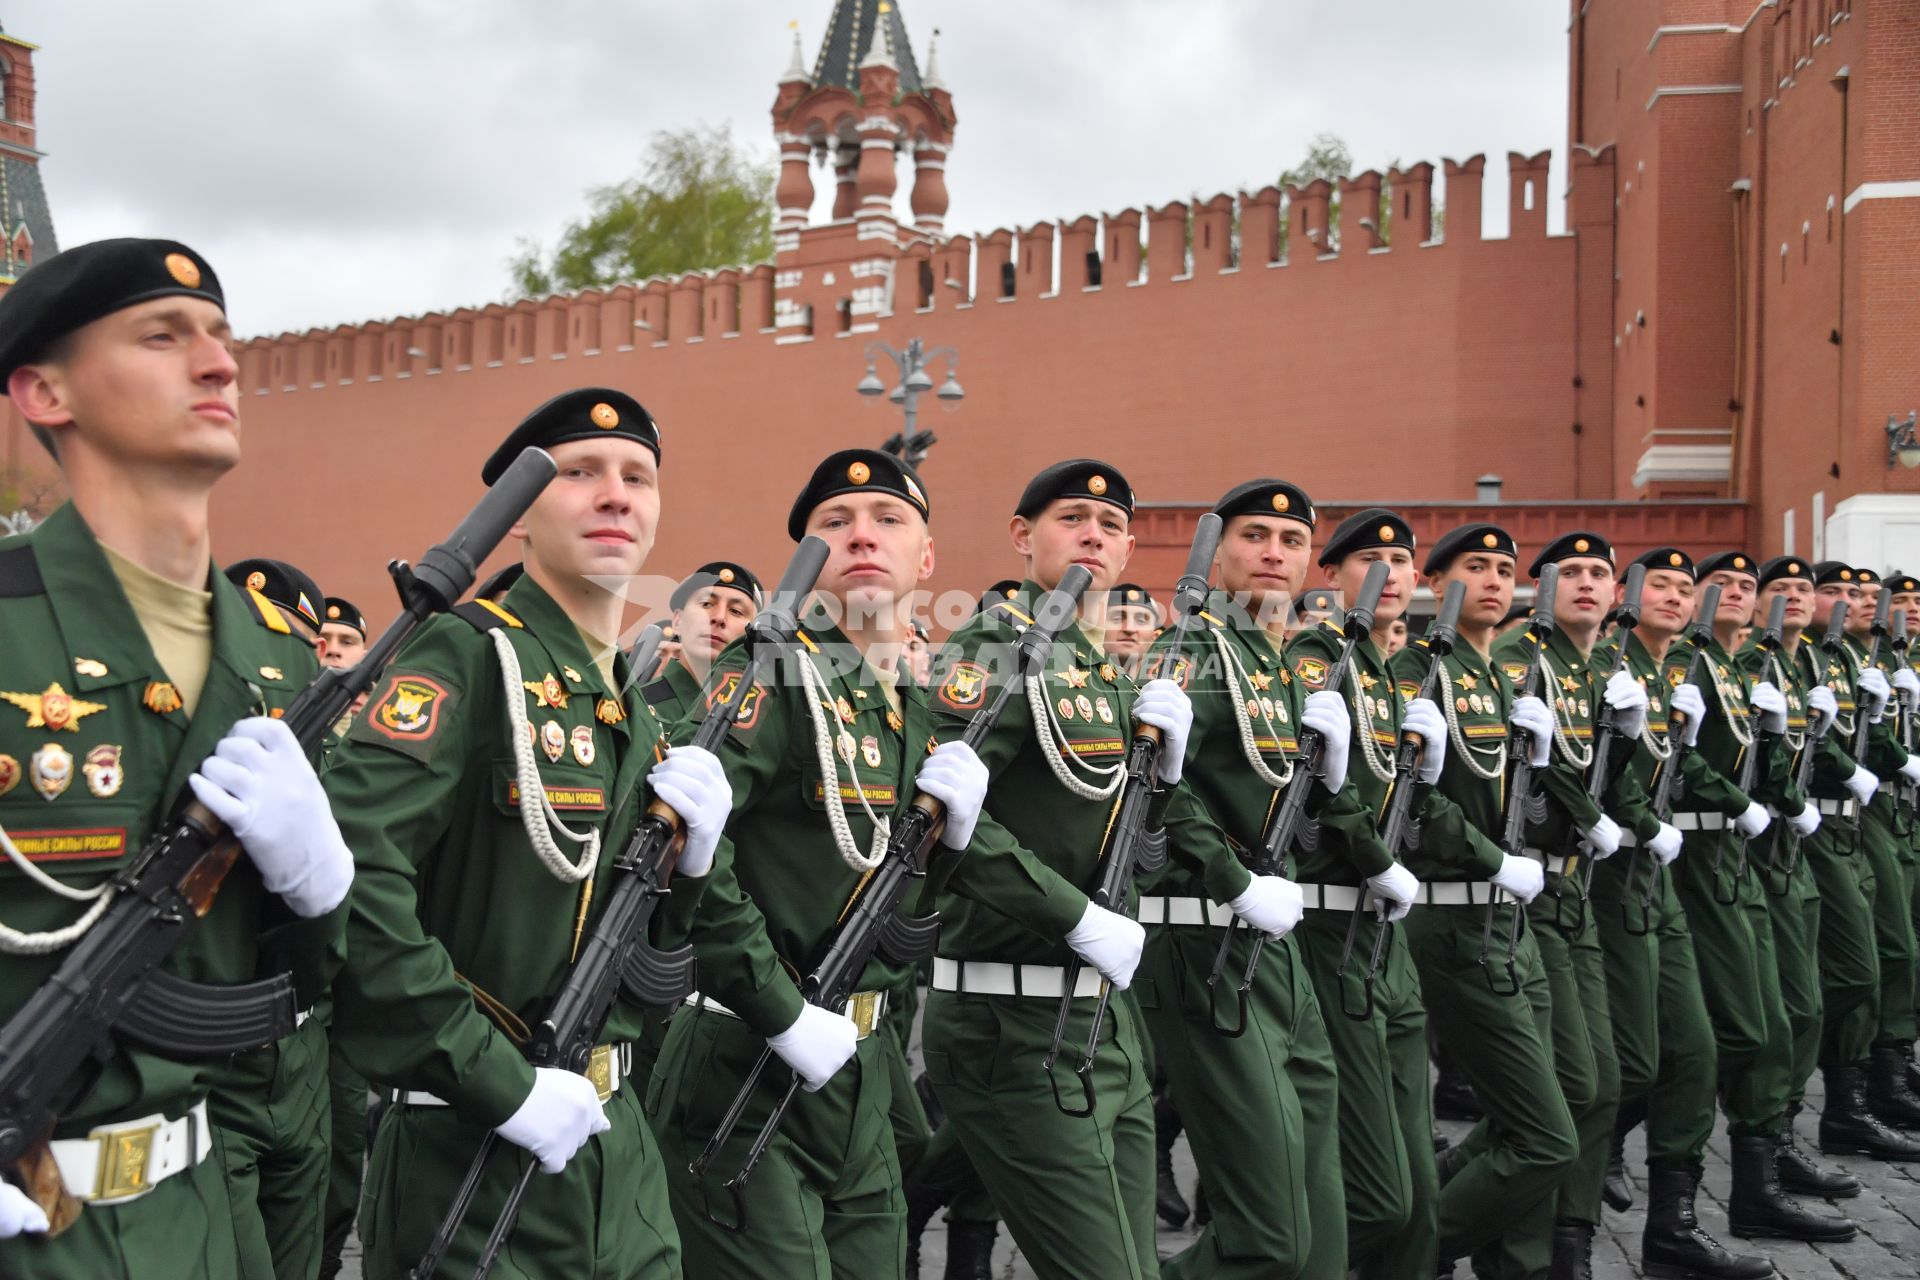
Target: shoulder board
{"points": [[266, 613], [807, 640], [1019, 617], [1423, 643], [485, 615], [658, 692], [20, 572]]}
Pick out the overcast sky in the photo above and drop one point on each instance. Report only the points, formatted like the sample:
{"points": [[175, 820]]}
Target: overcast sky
{"points": [[362, 159]]}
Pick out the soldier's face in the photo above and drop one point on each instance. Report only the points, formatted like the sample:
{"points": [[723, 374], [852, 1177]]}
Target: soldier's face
{"points": [[1736, 595], [1072, 531], [598, 516], [1799, 594], [878, 548], [151, 385], [1833, 593], [1488, 578], [1860, 617], [1585, 592], [1666, 601], [1130, 630], [1396, 636], [341, 646], [1910, 601], [1265, 558], [710, 620], [1348, 576]]}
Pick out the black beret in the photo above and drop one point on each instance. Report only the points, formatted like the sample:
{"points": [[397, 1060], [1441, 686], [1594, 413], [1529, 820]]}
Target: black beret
{"points": [[1865, 577], [1671, 559], [1728, 562], [1131, 595], [344, 613], [1078, 478], [1902, 583], [857, 471], [281, 584], [499, 581], [1266, 498], [1828, 572], [717, 573], [1580, 542], [1455, 543], [1374, 527], [583, 414], [75, 288], [1781, 567]]}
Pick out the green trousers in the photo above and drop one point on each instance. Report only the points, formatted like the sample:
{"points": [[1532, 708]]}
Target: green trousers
{"points": [[1260, 1108], [1848, 957], [272, 1119], [1887, 854], [1386, 1097], [1499, 1204], [181, 1230], [929, 1157], [1076, 1191], [604, 1216], [347, 1159], [1793, 910], [1583, 1051]]}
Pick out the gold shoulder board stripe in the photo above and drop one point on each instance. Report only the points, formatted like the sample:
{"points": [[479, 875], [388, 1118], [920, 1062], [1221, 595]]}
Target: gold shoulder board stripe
{"points": [[807, 640], [500, 613], [269, 614]]}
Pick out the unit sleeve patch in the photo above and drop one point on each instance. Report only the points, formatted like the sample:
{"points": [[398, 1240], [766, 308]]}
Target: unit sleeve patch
{"points": [[1312, 672], [749, 712], [407, 713], [965, 687]]}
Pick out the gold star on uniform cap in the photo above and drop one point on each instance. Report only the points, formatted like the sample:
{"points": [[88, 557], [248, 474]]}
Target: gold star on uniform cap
{"points": [[1386, 533], [1674, 559], [1846, 575], [333, 611], [256, 580], [1581, 544], [1739, 562], [604, 416], [726, 575], [183, 269], [53, 709], [1097, 485], [1793, 566], [859, 473], [1279, 502], [1489, 540]]}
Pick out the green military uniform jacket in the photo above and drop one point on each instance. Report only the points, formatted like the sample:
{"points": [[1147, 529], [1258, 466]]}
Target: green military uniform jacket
{"points": [[1574, 694], [1884, 754], [460, 935], [1728, 733], [1631, 799], [1458, 838], [780, 884], [673, 694], [84, 783], [1037, 849], [1795, 676]]}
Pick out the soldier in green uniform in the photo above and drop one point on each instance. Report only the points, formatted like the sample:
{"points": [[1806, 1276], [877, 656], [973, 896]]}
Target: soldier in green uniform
{"points": [[292, 592], [823, 759], [1899, 1035], [1662, 1033], [498, 763], [130, 663], [1076, 1190], [1260, 1107], [1568, 819], [1498, 1186], [1133, 620], [712, 607], [343, 633], [1386, 1121]]}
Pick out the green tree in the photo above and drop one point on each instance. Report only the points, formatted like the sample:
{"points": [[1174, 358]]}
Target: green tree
{"points": [[701, 202], [1329, 157]]}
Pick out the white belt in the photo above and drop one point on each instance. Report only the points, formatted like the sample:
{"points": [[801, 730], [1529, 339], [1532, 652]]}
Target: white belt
{"points": [[1888, 788], [1829, 808], [607, 1066], [1628, 840], [1330, 897], [1554, 862], [992, 978], [866, 1008], [1700, 821], [1457, 893], [300, 1018], [1157, 910], [121, 1162]]}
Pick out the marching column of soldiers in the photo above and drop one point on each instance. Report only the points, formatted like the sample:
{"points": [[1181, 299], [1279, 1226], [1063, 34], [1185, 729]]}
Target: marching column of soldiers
{"points": [[526, 949]]}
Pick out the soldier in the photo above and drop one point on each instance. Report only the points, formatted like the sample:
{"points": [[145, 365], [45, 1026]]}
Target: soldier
{"points": [[1497, 1196], [294, 596], [711, 609], [1261, 1106], [1582, 1026], [1077, 1190], [1380, 1043], [130, 663], [1906, 589], [498, 763], [919, 652], [841, 727], [1133, 620], [1662, 1034], [343, 634]]}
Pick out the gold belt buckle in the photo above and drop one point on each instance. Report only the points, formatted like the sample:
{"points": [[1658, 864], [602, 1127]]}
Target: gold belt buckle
{"points": [[124, 1158], [864, 1008], [600, 1070]]}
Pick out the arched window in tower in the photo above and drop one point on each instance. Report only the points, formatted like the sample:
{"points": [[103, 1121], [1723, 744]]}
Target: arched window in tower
{"points": [[22, 249], [6, 87]]}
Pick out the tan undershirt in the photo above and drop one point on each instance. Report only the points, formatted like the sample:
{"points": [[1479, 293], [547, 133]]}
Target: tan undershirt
{"points": [[177, 620], [600, 653]]}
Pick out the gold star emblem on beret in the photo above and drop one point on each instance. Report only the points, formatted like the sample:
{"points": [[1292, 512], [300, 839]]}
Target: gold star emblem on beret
{"points": [[53, 708], [1793, 566], [1581, 544], [1674, 559], [1097, 485], [1279, 502], [859, 473], [1846, 575], [184, 270], [1386, 533], [256, 581], [604, 416], [333, 611], [1739, 562], [726, 575], [1490, 540]]}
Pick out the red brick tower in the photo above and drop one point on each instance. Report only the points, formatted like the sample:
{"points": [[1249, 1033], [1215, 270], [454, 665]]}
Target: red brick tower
{"points": [[23, 201]]}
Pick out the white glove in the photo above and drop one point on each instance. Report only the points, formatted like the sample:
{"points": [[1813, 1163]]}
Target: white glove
{"points": [[1906, 682], [1688, 701], [1766, 698], [1806, 822], [1603, 838], [1535, 718], [1873, 683], [1271, 905], [1164, 704], [1423, 717], [957, 778], [1109, 942], [1863, 784], [560, 1114], [260, 783], [18, 1212], [1628, 698], [692, 780], [818, 1044], [1822, 701], [1395, 889], [1520, 878], [1754, 821], [1326, 714], [1911, 769], [1665, 844]]}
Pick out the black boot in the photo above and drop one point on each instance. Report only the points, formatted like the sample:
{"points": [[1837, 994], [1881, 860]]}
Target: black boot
{"points": [[1202, 1215], [1759, 1208], [1887, 1092], [1674, 1247], [1802, 1177], [1449, 1163], [970, 1250], [1453, 1097], [1167, 1201], [1572, 1252], [1616, 1190], [1913, 1070], [922, 1204], [1848, 1127]]}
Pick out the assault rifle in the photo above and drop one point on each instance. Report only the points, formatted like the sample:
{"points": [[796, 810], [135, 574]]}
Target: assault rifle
{"points": [[1905, 793], [1784, 857], [1520, 783], [1857, 748], [1577, 866], [1772, 640]]}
